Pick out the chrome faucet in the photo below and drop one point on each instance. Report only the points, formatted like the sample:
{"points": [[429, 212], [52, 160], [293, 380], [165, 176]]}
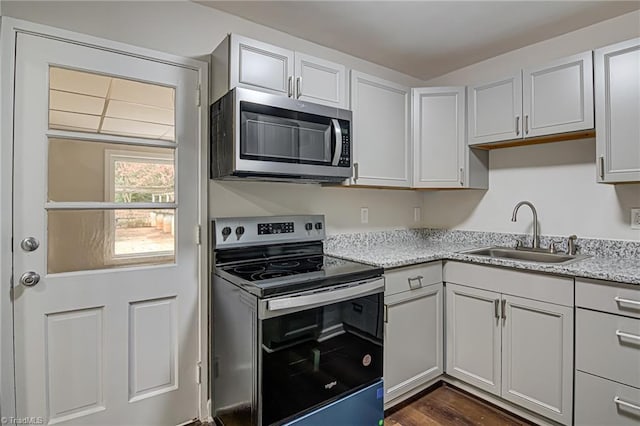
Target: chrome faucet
{"points": [[536, 232]]}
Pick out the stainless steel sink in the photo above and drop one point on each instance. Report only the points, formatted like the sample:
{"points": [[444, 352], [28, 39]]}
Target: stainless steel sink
{"points": [[526, 255]]}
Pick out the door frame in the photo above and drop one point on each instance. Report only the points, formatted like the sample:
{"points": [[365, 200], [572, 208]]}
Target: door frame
{"points": [[9, 28]]}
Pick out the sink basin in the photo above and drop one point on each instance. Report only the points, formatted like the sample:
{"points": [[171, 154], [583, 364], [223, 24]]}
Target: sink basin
{"points": [[526, 255]]}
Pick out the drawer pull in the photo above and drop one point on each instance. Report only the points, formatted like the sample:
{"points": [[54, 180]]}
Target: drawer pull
{"points": [[627, 335], [629, 301], [496, 309], [411, 280], [624, 403]]}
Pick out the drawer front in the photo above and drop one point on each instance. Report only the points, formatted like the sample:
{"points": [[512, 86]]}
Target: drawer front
{"points": [[412, 277], [608, 346], [621, 299], [603, 402]]}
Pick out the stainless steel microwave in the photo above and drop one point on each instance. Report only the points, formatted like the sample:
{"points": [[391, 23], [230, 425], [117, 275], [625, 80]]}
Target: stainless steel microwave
{"points": [[270, 137]]}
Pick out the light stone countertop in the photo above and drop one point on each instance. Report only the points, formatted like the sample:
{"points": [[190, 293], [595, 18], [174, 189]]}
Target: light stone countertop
{"points": [[394, 249]]}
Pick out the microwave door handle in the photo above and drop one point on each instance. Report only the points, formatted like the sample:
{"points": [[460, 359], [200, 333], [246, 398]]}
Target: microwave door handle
{"points": [[338, 148]]}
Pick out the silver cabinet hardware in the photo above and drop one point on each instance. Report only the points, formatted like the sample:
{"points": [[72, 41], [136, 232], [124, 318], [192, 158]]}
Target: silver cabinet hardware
{"points": [[629, 301], [290, 87], [627, 335], [29, 244], [385, 313], [298, 87], [622, 402], [462, 177], [356, 173], [601, 167], [496, 308], [29, 279], [504, 309], [526, 124], [413, 279], [518, 126]]}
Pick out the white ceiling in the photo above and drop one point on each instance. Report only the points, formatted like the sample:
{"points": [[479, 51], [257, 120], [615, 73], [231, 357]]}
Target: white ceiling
{"points": [[425, 39]]}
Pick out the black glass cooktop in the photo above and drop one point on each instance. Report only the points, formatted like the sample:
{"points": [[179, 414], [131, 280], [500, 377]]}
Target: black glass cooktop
{"points": [[289, 274]]}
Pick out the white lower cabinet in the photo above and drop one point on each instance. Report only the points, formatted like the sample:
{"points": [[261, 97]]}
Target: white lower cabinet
{"points": [[517, 348]]}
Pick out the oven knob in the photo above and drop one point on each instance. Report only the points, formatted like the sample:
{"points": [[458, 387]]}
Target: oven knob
{"points": [[318, 225], [226, 231], [308, 226], [239, 231]]}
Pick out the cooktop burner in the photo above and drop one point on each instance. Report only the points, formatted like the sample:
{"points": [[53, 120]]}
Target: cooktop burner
{"points": [[265, 270]]}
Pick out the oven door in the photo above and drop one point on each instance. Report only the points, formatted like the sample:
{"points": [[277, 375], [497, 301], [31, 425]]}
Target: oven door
{"points": [[277, 135], [317, 347]]}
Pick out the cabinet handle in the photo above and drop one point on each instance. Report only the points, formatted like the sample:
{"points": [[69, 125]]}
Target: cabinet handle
{"points": [[290, 87], [619, 401], [627, 335], [298, 87], [461, 177], [385, 313], [417, 278], [496, 308], [356, 173], [526, 124], [504, 309], [629, 301], [601, 167], [518, 126]]}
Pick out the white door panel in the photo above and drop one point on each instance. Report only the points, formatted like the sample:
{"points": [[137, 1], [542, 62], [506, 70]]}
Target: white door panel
{"points": [[320, 81], [112, 341]]}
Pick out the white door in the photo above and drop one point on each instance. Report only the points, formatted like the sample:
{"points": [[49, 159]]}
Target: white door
{"points": [[558, 97], [381, 138], [261, 66], [617, 92], [320, 81], [439, 142], [473, 336], [495, 110], [412, 358], [537, 357], [105, 179]]}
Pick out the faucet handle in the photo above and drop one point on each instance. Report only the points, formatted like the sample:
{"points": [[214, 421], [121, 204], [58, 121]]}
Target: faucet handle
{"points": [[518, 244], [552, 246], [572, 249]]}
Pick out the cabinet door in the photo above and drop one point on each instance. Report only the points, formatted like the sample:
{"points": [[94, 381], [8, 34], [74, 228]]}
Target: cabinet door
{"points": [[617, 88], [261, 66], [495, 110], [439, 137], [413, 349], [473, 336], [320, 81], [537, 357], [380, 131], [558, 97], [604, 402]]}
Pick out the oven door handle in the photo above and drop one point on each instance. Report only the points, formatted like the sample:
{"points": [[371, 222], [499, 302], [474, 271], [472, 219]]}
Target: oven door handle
{"points": [[337, 131], [326, 297]]}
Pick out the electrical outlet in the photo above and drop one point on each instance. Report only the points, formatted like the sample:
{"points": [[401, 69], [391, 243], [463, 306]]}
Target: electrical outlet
{"points": [[417, 214], [364, 215], [635, 218]]}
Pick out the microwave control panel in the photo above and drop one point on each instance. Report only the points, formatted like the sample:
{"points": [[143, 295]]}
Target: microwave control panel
{"points": [[345, 155]]}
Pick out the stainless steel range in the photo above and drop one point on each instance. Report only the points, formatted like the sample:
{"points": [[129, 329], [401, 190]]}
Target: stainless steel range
{"points": [[297, 335]]}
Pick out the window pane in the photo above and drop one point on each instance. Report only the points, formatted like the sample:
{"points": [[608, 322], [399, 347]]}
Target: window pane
{"points": [[91, 171], [81, 240], [87, 102]]}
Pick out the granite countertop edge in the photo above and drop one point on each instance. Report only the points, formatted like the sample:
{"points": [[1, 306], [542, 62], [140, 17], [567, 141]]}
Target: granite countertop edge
{"points": [[601, 268]]}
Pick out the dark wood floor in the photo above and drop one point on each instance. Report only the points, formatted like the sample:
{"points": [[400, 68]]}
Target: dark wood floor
{"points": [[447, 406]]}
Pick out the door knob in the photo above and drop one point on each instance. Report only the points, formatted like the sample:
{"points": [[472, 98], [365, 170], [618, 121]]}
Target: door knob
{"points": [[30, 279], [29, 244]]}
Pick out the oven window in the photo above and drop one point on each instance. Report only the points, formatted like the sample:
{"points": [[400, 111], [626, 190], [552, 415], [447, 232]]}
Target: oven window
{"points": [[274, 134], [318, 355]]}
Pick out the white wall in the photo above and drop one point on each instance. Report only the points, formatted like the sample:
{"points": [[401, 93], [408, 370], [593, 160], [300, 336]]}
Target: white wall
{"points": [[193, 30], [559, 178]]}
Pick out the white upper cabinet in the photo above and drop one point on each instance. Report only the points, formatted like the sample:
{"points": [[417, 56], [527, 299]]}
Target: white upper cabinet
{"points": [[441, 157], [558, 97], [541, 101], [495, 110], [242, 62], [380, 133], [617, 90], [320, 81]]}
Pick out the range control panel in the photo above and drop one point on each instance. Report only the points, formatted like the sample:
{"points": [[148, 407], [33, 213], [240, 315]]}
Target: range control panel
{"points": [[264, 230]]}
